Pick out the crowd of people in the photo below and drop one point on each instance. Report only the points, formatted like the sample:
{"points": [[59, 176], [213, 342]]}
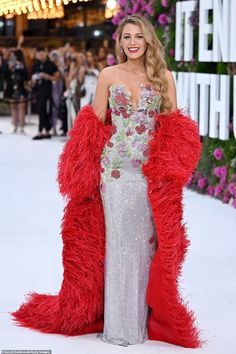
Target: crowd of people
{"points": [[60, 81]]}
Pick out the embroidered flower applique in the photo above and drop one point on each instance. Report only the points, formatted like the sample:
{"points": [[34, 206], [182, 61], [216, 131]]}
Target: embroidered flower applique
{"points": [[131, 129]]}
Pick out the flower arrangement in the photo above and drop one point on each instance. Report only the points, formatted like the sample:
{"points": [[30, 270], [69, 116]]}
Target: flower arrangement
{"points": [[216, 172], [130, 7]]}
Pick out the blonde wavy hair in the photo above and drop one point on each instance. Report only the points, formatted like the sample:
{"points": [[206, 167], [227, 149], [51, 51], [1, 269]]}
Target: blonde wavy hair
{"points": [[154, 62]]}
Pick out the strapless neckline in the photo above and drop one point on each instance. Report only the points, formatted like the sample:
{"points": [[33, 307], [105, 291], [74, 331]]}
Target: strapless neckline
{"points": [[129, 94]]}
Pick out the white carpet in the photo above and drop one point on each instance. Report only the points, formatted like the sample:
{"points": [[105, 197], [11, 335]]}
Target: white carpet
{"points": [[30, 254]]}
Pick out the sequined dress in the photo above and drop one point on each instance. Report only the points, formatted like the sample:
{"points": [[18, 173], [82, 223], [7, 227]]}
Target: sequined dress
{"points": [[131, 238]]}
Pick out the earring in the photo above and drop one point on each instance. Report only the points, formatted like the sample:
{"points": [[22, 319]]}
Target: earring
{"points": [[121, 50]]}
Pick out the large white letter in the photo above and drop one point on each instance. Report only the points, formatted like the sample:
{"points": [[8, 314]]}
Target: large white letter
{"points": [[234, 103], [232, 32], [221, 16], [203, 80], [183, 89], [178, 32], [205, 29], [186, 8], [219, 106], [193, 97]]}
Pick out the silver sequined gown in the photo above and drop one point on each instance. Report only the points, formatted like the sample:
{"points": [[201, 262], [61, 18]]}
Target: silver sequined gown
{"points": [[131, 238]]}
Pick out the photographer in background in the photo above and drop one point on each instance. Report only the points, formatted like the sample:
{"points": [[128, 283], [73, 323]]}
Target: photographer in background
{"points": [[16, 76], [44, 73]]}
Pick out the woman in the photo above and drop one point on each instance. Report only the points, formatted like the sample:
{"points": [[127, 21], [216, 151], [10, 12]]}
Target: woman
{"points": [[71, 86], [122, 171], [16, 77], [57, 90], [102, 54], [88, 76]]}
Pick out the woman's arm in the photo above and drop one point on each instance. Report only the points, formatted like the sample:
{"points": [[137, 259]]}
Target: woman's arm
{"points": [[100, 101], [171, 91]]}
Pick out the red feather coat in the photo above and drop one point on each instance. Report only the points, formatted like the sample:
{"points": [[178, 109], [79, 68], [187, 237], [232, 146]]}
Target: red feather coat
{"points": [[174, 151]]}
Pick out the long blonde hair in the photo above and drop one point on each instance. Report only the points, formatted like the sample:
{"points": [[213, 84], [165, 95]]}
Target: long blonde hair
{"points": [[154, 62]]}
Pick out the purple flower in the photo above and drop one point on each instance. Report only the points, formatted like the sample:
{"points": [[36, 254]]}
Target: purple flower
{"points": [[220, 171], [223, 179], [139, 117], [202, 182], [162, 19], [136, 163], [223, 171], [210, 190], [105, 160], [218, 153], [103, 187], [164, 3], [141, 147], [218, 190], [225, 198], [190, 180], [232, 189], [234, 203], [172, 52], [122, 149], [233, 178], [217, 171]]}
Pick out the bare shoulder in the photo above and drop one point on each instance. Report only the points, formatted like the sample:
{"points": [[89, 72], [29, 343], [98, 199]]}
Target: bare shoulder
{"points": [[171, 89], [109, 73], [169, 75]]}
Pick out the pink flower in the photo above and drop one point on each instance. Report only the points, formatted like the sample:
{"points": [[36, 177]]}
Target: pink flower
{"points": [[152, 239], [218, 190], [135, 163], [172, 52], [210, 190], [218, 153], [105, 160], [223, 171], [202, 182], [222, 179], [110, 144], [103, 187], [225, 198], [164, 3], [141, 147], [129, 131], [122, 149], [234, 203], [115, 174], [121, 99], [220, 171], [232, 189], [162, 19], [190, 180], [140, 129], [233, 178]]}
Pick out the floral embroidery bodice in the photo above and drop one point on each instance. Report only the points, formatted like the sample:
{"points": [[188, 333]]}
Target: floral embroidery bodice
{"points": [[127, 149]]}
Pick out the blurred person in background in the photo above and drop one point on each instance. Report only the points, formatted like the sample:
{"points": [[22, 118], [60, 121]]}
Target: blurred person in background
{"points": [[111, 60], [57, 90], [88, 76], [44, 73], [70, 93], [3, 67], [102, 54], [16, 76]]}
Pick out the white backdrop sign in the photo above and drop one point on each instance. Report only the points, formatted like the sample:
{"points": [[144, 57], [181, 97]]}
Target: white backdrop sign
{"points": [[207, 95]]}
